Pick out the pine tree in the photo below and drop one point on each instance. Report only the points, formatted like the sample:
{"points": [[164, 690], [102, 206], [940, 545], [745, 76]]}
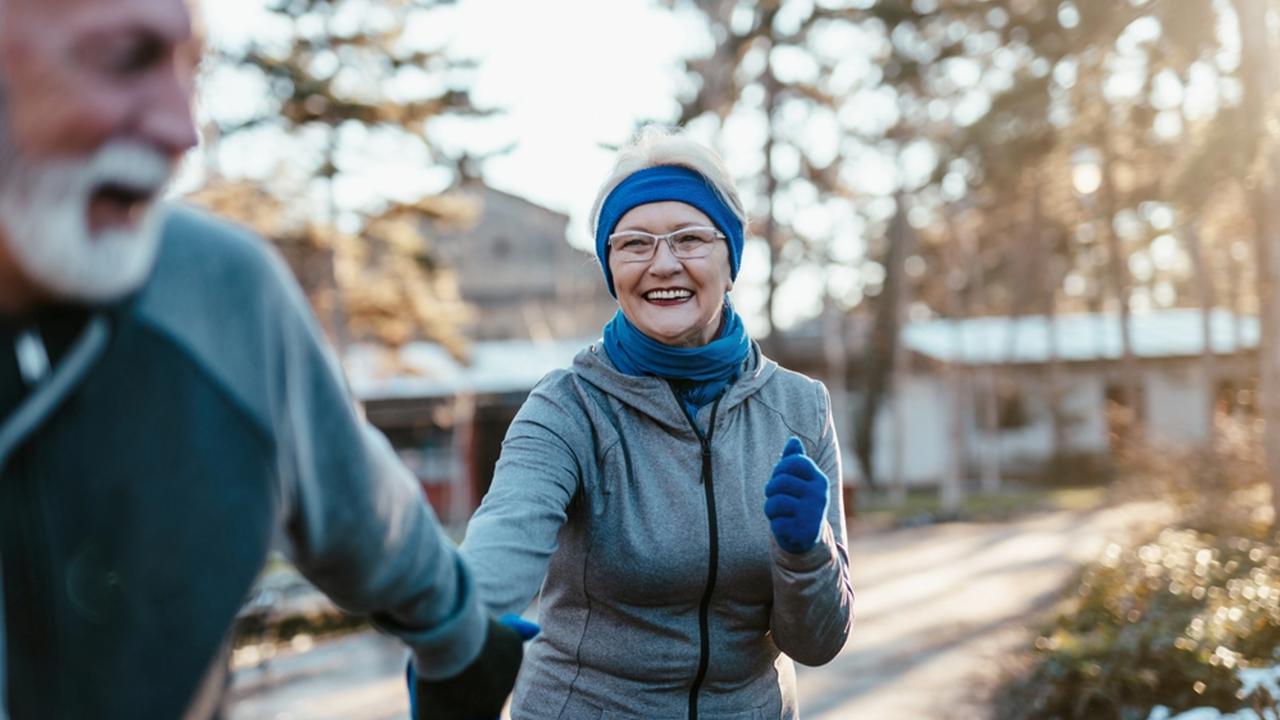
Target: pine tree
{"points": [[344, 73]]}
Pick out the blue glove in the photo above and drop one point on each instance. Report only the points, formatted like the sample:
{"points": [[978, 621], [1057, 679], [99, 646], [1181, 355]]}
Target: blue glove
{"points": [[796, 500], [525, 629], [480, 690]]}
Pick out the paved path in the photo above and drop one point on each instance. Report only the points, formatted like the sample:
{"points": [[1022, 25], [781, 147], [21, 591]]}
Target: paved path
{"points": [[938, 608]]}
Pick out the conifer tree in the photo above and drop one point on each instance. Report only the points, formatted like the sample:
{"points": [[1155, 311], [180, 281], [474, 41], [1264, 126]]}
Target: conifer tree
{"points": [[342, 77]]}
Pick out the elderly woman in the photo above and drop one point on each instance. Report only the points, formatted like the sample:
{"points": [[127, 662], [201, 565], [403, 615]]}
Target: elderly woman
{"points": [[674, 493]]}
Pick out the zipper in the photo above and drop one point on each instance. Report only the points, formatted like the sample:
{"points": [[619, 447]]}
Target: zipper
{"points": [[704, 607]]}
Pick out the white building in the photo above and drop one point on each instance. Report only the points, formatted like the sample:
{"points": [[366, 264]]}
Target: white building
{"points": [[953, 363]]}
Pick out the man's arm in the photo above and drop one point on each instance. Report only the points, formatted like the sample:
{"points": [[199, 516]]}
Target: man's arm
{"points": [[356, 520], [352, 517]]}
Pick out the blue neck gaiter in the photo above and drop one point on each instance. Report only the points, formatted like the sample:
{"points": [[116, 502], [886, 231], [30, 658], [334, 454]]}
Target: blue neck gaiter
{"points": [[707, 370]]}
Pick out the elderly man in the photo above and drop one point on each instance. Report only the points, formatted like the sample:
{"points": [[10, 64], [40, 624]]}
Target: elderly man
{"points": [[168, 408]]}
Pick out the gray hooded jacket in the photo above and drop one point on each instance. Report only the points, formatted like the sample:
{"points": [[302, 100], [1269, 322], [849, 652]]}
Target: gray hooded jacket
{"points": [[665, 595]]}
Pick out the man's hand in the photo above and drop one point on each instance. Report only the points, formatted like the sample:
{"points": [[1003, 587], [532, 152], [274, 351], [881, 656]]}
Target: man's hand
{"points": [[481, 689], [796, 499]]}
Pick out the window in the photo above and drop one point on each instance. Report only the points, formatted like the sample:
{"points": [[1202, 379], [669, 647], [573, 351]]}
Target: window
{"points": [[1011, 406]]}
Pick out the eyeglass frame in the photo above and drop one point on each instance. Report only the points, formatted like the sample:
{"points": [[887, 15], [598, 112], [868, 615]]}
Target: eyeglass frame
{"points": [[669, 238]]}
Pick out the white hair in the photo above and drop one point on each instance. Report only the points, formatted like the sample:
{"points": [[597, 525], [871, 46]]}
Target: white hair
{"points": [[655, 145]]}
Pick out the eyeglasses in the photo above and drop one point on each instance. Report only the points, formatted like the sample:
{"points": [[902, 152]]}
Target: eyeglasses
{"points": [[686, 243]]}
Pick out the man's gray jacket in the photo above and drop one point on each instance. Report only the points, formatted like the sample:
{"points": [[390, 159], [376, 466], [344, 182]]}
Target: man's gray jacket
{"points": [[665, 595], [144, 478]]}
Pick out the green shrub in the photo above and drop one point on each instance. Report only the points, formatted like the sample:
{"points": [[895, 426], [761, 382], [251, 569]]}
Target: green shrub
{"points": [[1166, 623], [1172, 620]]}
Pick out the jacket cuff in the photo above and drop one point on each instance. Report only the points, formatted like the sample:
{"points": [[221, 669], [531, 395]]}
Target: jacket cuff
{"points": [[820, 555], [446, 649]]}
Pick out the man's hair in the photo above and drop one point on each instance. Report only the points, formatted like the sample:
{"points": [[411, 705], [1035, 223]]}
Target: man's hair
{"points": [[656, 145]]}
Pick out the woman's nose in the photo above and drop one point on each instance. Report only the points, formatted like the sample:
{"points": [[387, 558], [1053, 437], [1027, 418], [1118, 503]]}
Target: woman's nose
{"points": [[664, 260]]}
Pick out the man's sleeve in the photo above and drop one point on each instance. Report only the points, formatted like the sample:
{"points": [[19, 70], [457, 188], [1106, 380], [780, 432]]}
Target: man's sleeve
{"points": [[355, 520]]}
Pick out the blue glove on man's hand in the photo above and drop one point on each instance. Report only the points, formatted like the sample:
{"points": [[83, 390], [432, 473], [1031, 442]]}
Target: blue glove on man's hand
{"points": [[796, 499], [481, 689]]}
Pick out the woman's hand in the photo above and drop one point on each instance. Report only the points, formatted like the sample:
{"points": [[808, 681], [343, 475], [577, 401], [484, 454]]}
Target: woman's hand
{"points": [[796, 499]]}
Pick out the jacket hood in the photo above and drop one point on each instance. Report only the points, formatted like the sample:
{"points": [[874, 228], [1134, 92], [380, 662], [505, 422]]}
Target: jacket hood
{"points": [[654, 397]]}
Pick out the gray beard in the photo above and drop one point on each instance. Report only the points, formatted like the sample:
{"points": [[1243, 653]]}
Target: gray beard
{"points": [[44, 219]]}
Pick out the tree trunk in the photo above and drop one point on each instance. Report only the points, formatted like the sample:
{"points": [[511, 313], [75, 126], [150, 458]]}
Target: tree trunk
{"points": [[1117, 266], [991, 473], [1234, 290], [770, 222], [957, 375], [952, 491], [339, 333], [835, 349], [462, 489], [1205, 294], [1268, 394], [903, 238], [881, 348], [898, 481], [1258, 53], [1048, 276]]}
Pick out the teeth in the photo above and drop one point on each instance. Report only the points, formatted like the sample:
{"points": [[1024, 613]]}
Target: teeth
{"points": [[668, 294]]}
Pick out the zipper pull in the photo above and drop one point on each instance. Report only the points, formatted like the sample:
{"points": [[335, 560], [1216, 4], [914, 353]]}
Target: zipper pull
{"points": [[33, 358]]}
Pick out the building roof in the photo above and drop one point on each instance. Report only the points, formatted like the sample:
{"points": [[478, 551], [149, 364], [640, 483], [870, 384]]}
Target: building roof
{"points": [[1080, 337], [426, 370]]}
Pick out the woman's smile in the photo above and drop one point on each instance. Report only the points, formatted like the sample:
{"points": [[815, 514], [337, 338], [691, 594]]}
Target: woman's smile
{"points": [[667, 297]]}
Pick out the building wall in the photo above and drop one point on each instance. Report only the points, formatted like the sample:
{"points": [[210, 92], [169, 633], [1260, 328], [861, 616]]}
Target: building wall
{"points": [[925, 441], [1083, 408], [1174, 393], [1025, 448], [519, 273], [1177, 402]]}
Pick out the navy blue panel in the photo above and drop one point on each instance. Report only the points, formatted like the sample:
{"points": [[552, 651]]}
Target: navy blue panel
{"points": [[150, 500]]}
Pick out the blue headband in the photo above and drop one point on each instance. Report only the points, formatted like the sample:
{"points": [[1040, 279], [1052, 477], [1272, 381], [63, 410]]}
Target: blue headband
{"points": [[659, 184]]}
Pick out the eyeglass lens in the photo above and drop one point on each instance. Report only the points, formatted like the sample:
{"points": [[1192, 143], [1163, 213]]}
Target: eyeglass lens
{"points": [[686, 243]]}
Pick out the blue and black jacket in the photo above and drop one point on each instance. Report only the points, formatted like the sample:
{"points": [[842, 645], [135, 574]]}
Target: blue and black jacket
{"points": [[170, 441]]}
